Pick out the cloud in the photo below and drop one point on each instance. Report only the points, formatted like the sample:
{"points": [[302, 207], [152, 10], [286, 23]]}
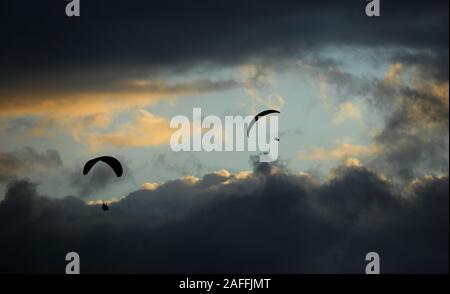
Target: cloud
{"points": [[146, 130], [259, 85], [343, 151], [150, 186], [88, 106], [17, 163], [412, 101], [392, 77], [270, 221], [126, 44], [347, 111], [430, 64], [28, 127], [415, 134], [234, 31], [126, 61], [89, 98]]}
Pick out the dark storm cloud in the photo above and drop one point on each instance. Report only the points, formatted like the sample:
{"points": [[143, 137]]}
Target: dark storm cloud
{"points": [[270, 222], [123, 37], [16, 163], [416, 141], [415, 132], [431, 64]]}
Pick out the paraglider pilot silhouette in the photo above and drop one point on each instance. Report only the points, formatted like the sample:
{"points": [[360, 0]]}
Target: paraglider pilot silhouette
{"points": [[115, 165], [105, 206]]}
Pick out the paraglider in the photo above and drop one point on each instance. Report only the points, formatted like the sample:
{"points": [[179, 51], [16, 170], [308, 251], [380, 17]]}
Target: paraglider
{"points": [[261, 114], [115, 165]]}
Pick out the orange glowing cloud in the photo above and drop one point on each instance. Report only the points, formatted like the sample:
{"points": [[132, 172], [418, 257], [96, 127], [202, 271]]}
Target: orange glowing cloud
{"points": [[146, 130]]}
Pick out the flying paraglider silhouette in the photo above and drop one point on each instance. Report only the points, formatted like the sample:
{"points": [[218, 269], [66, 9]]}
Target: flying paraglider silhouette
{"points": [[255, 119], [115, 165]]}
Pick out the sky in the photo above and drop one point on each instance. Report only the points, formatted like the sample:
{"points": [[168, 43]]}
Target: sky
{"points": [[363, 127]]}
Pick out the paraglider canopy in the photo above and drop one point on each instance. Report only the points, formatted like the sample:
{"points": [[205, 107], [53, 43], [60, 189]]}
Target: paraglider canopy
{"points": [[109, 160], [261, 114]]}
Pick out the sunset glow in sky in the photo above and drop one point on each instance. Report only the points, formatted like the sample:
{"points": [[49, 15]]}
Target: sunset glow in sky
{"points": [[364, 108]]}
